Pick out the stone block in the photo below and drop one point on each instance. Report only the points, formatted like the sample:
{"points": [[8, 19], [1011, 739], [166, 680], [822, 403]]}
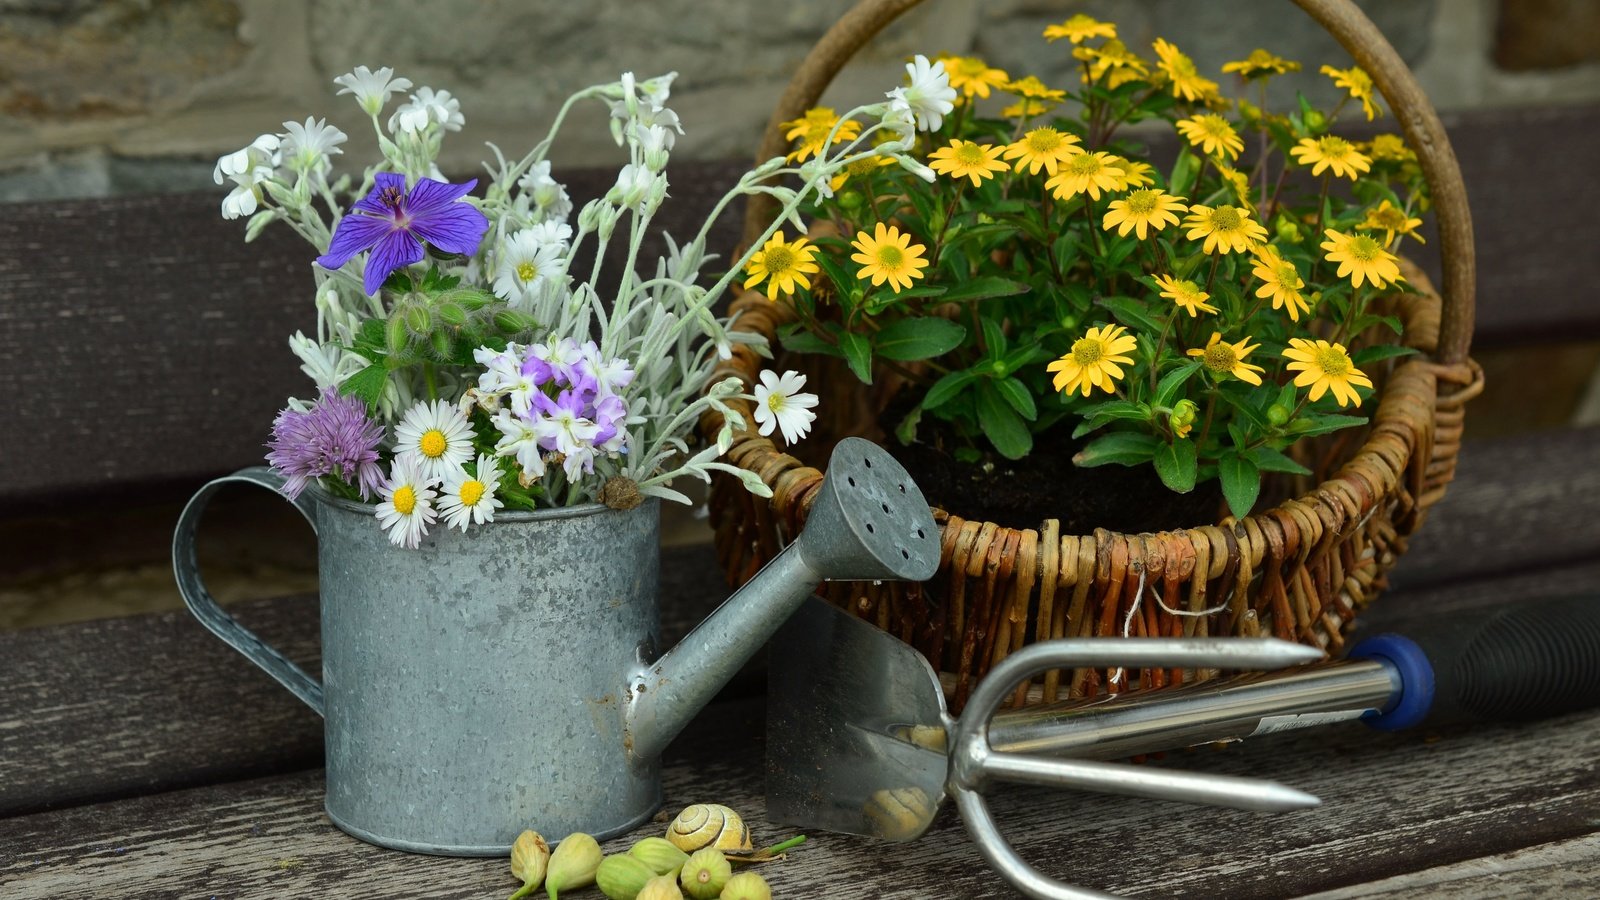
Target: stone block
{"points": [[1546, 34]]}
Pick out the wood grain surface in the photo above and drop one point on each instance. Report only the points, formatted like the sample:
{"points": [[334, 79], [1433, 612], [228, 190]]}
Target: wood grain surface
{"points": [[1561, 869]]}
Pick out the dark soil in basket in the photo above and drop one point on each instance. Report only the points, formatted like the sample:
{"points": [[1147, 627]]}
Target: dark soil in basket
{"points": [[1046, 485]]}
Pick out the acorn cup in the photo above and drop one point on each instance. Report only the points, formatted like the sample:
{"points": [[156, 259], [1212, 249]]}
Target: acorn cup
{"points": [[660, 855], [530, 855], [746, 886], [573, 865], [705, 874], [661, 887], [622, 876]]}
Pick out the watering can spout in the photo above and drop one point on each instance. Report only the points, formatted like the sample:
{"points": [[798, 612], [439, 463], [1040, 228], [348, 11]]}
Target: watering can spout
{"points": [[869, 522]]}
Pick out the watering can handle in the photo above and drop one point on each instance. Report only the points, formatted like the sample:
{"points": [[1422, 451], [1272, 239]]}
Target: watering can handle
{"points": [[186, 567]]}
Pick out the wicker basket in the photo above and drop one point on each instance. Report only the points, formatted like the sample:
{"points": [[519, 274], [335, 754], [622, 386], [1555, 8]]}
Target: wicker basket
{"points": [[1299, 571]]}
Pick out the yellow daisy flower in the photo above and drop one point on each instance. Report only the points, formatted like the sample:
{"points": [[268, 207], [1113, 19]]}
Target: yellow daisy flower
{"points": [[1032, 87], [1080, 28], [1028, 107], [1361, 257], [1187, 82], [858, 168], [1212, 134], [1042, 148], [1111, 56], [965, 159], [1330, 152], [972, 76], [1143, 211], [782, 265], [1186, 294], [1326, 367], [1239, 181], [1390, 148], [1095, 361], [1360, 86], [1222, 358], [812, 129], [1084, 173], [1227, 229], [888, 255], [1261, 64], [1134, 174], [1391, 220], [1280, 280]]}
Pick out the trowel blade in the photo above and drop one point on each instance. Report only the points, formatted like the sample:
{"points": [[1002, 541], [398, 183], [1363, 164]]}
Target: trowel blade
{"points": [[856, 728]]}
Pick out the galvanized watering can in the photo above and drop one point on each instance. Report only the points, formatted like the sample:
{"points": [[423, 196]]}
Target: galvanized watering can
{"points": [[510, 678]]}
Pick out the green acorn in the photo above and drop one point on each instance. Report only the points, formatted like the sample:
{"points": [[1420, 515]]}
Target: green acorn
{"points": [[622, 876], [660, 855], [746, 886], [573, 864], [705, 873]]}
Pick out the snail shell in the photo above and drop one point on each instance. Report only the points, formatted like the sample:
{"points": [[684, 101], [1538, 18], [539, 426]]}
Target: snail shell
{"points": [[708, 825]]}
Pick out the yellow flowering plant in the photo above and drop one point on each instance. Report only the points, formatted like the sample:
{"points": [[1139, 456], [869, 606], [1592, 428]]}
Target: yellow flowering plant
{"points": [[1198, 313]]}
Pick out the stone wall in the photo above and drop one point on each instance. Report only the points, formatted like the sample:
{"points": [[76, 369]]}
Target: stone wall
{"points": [[121, 96]]}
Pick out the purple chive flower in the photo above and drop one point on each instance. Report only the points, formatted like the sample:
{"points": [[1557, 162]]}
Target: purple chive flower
{"points": [[333, 437], [393, 224]]}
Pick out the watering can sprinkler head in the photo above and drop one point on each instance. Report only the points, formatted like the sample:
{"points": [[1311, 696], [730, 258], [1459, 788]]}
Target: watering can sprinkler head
{"points": [[868, 522]]}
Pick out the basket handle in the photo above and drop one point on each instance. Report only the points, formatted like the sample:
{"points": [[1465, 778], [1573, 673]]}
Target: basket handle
{"points": [[1341, 18]]}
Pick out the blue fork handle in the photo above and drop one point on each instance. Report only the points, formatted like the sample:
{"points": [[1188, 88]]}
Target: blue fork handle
{"points": [[186, 567]]}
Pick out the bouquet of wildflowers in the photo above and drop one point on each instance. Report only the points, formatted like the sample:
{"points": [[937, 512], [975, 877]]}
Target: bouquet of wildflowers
{"points": [[1199, 316], [460, 366]]}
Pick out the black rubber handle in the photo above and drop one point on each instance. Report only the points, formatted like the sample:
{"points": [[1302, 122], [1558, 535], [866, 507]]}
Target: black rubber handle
{"points": [[1526, 661]]}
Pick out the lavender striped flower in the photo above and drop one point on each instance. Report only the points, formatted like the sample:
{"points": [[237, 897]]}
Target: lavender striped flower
{"points": [[393, 223], [333, 437]]}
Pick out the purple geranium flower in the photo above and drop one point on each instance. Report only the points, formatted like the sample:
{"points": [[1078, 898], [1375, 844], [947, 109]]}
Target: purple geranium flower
{"points": [[395, 223], [333, 437]]}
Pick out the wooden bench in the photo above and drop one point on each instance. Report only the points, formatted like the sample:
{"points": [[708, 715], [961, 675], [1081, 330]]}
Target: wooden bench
{"points": [[139, 757]]}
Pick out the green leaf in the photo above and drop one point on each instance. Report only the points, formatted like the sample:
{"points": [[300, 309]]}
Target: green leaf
{"points": [[1377, 354], [833, 267], [1269, 460], [858, 354], [1167, 389], [1018, 396], [994, 337], [1183, 173], [906, 431], [1109, 411], [1132, 313], [370, 340], [802, 341], [1241, 483], [985, 288], [947, 387], [1176, 463], [1309, 426], [367, 384], [918, 338], [1125, 448], [1004, 428]]}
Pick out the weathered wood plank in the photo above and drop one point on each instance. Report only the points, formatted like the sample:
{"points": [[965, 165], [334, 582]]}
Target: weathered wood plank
{"points": [[1393, 804], [186, 327], [1561, 869], [1517, 503], [142, 704]]}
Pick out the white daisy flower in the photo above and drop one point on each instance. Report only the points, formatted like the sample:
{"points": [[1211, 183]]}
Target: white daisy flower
{"points": [[552, 231], [247, 169], [929, 96], [434, 435], [634, 188], [525, 265], [547, 195], [470, 498], [520, 440], [372, 89], [407, 507], [780, 405], [427, 107], [306, 148]]}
